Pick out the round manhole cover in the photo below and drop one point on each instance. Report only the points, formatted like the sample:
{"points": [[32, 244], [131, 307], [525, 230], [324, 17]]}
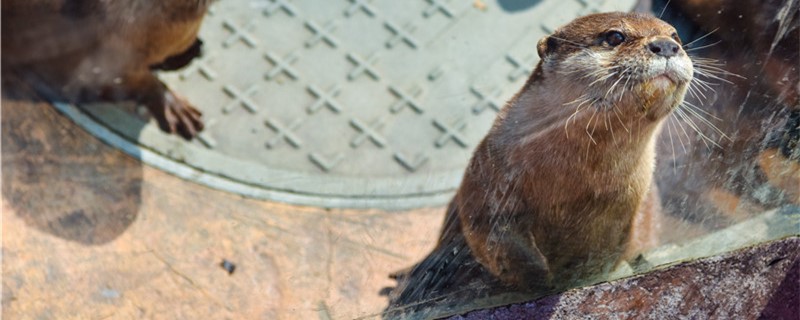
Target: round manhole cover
{"points": [[349, 103]]}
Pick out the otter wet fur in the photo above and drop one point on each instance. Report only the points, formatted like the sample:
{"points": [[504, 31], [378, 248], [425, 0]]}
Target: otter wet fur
{"points": [[559, 191], [88, 50]]}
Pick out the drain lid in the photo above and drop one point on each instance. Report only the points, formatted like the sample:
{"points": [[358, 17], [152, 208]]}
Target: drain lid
{"points": [[344, 103]]}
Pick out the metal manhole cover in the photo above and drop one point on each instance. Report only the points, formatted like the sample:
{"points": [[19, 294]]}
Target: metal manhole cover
{"points": [[349, 103]]}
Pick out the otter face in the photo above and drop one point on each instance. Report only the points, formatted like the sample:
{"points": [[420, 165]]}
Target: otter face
{"points": [[621, 56]]}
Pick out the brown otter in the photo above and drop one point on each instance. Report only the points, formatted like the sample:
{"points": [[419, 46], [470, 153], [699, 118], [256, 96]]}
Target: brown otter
{"points": [[555, 193], [92, 49]]}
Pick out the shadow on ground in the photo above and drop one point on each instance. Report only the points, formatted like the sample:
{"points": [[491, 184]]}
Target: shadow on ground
{"points": [[61, 181]]}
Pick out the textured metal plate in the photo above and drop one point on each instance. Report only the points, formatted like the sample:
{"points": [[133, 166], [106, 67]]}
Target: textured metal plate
{"points": [[345, 103]]}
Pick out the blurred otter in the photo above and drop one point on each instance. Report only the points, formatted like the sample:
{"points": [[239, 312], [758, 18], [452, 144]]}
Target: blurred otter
{"points": [[559, 191], [85, 50]]}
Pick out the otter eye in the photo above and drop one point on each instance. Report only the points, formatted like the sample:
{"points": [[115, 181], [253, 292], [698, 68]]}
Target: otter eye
{"points": [[676, 37], [614, 38]]}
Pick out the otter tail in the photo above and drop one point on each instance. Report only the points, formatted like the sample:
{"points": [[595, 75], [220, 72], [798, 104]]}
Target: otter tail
{"points": [[445, 279]]}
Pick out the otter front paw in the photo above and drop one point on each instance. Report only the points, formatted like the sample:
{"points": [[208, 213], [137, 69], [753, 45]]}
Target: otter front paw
{"points": [[176, 115]]}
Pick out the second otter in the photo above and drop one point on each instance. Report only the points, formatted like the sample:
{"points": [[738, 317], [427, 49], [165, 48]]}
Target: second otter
{"points": [[554, 194], [83, 51]]}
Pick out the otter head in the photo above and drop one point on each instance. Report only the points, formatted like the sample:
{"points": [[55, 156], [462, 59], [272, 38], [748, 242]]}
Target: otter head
{"points": [[627, 61]]}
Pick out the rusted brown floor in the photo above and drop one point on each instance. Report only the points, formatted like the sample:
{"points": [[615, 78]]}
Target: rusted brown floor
{"points": [[91, 233]]}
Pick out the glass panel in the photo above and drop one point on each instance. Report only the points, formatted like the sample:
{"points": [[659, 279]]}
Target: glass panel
{"points": [[345, 159]]}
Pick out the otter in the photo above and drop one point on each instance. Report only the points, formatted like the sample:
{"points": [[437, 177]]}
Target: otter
{"points": [[85, 50], [560, 189]]}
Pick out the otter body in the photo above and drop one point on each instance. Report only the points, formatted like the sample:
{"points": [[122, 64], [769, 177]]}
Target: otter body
{"points": [[554, 194], [82, 50]]}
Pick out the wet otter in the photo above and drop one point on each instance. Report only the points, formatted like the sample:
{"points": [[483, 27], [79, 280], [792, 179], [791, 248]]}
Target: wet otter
{"points": [[556, 193], [82, 50]]}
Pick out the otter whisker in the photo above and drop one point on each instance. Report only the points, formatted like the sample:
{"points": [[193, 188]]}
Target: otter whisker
{"points": [[690, 105], [602, 73], [679, 124], [703, 47], [671, 121], [588, 124], [664, 9], [612, 88], [712, 66], [708, 69], [693, 93], [703, 137], [625, 86], [574, 115], [581, 98], [602, 79], [579, 45], [616, 112], [671, 144], [716, 70], [704, 85], [706, 61], [610, 127], [591, 135], [594, 127], [593, 67], [698, 39], [590, 74], [713, 69], [696, 93], [694, 110], [709, 75]]}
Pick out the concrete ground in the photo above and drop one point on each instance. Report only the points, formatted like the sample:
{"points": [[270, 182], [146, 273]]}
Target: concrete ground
{"points": [[91, 233]]}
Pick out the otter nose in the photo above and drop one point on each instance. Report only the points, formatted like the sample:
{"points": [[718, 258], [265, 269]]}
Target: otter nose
{"points": [[664, 47]]}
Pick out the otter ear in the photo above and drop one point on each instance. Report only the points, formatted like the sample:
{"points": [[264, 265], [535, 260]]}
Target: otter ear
{"points": [[546, 46]]}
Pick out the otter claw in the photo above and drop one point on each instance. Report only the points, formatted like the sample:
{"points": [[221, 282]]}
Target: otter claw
{"points": [[176, 115]]}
